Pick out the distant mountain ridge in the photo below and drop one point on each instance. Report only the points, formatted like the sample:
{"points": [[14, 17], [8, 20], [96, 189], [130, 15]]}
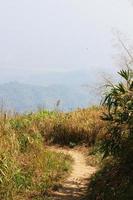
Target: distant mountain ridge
{"points": [[25, 97]]}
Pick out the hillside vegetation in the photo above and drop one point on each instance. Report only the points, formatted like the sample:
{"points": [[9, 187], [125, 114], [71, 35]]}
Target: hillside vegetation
{"points": [[115, 178], [83, 126], [28, 169]]}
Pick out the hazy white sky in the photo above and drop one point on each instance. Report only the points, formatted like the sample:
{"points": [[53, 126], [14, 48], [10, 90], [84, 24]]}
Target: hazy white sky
{"points": [[57, 35]]}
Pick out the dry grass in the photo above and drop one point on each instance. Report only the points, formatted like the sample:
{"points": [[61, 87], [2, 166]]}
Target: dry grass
{"points": [[27, 168], [83, 126]]}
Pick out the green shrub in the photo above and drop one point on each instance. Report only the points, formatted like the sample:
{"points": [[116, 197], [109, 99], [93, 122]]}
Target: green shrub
{"points": [[119, 104]]}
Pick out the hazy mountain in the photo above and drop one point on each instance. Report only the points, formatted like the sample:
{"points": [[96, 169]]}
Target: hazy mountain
{"points": [[47, 77], [25, 97]]}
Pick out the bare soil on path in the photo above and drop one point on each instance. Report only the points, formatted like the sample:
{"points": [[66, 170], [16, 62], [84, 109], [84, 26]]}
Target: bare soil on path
{"points": [[76, 184]]}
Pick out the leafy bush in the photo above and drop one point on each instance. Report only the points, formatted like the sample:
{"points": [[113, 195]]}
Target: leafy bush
{"points": [[114, 180], [119, 104]]}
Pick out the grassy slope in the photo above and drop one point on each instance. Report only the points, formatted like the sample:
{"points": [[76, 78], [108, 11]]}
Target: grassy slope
{"points": [[27, 168]]}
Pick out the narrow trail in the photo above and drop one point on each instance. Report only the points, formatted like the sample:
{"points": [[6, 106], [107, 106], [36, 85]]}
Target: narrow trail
{"points": [[75, 186]]}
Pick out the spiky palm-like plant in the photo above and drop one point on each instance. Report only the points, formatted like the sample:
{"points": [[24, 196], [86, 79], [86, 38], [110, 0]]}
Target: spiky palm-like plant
{"points": [[119, 103]]}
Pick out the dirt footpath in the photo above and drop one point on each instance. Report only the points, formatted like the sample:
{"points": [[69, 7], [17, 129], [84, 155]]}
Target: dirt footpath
{"points": [[75, 186]]}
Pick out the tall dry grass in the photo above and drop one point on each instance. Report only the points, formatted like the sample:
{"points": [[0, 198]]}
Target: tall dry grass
{"points": [[83, 126], [27, 168]]}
